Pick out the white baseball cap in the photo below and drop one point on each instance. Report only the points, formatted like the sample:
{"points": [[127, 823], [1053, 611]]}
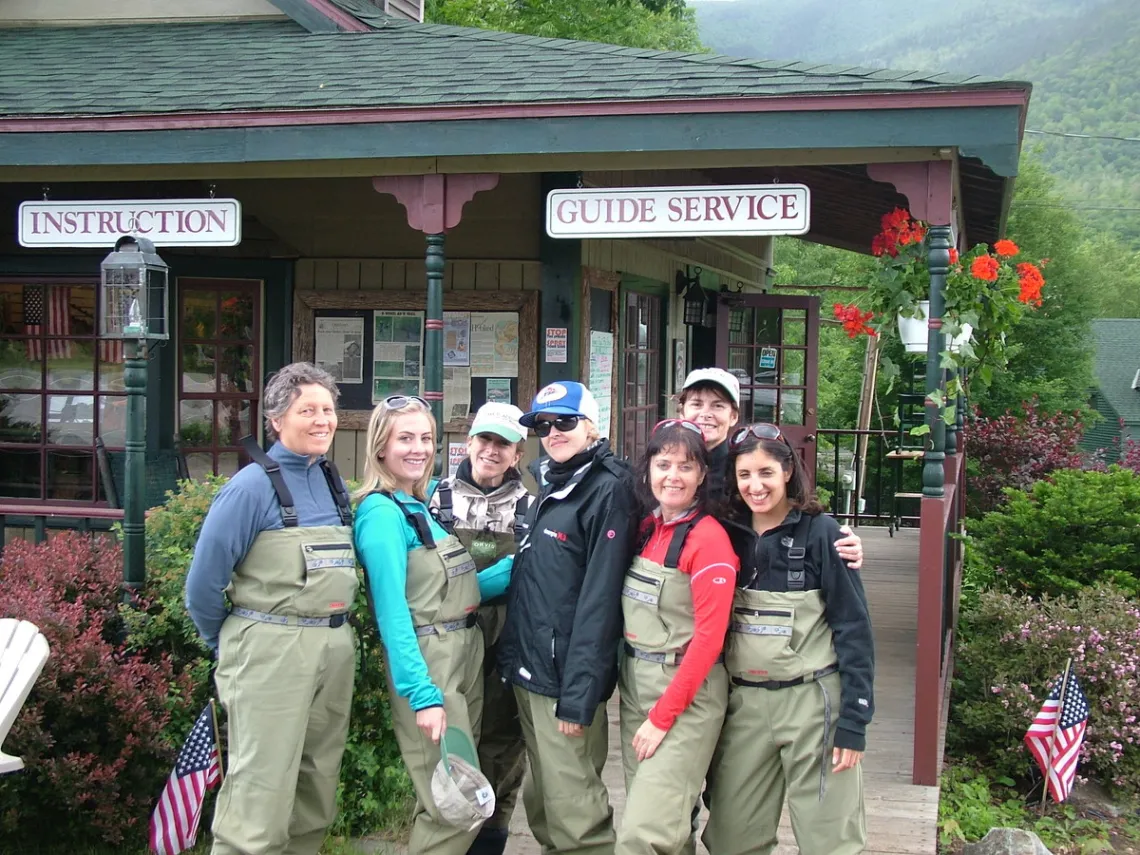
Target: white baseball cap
{"points": [[717, 377], [499, 419]]}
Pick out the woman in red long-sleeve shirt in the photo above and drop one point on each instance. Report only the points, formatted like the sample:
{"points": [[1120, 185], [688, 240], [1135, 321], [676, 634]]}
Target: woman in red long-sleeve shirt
{"points": [[676, 602]]}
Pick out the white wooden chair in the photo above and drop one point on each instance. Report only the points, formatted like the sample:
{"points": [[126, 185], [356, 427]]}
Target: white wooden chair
{"points": [[23, 652]]}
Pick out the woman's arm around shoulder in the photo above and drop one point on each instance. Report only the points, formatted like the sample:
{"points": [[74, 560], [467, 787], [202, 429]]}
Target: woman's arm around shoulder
{"points": [[382, 546]]}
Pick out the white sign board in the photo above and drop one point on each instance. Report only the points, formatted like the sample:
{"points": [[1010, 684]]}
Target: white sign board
{"points": [[748, 209], [167, 222], [557, 344]]}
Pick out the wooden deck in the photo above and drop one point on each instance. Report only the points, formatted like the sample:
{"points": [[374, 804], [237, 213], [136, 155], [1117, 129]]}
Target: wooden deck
{"points": [[901, 817]]}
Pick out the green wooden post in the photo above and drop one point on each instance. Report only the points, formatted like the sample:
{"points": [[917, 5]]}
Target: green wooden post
{"points": [[134, 555], [938, 260], [433, 340]]}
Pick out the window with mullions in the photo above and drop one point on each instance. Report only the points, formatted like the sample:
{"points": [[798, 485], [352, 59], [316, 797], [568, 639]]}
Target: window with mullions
{"points": [[60, 387]]}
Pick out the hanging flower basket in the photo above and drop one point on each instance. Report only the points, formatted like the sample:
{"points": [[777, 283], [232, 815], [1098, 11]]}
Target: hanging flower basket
{"points": [[915, 333]]}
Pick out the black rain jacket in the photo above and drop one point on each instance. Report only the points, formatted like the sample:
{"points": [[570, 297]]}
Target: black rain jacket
{"points": [[564, 617]]}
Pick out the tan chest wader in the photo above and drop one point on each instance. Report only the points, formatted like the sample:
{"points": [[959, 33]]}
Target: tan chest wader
{"points": [[501, 751], [778, 734], [443, 596], [657, 606], [285, 672]]}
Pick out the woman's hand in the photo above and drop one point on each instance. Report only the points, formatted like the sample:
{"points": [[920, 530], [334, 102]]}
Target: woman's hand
{"points": [[569, 728], [433, 722], [647, 739], [850, 548], [843, 759]]}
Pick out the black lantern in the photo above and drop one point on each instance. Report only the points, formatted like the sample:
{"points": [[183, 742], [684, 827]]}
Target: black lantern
{"points": [[736, 315], [135, 292], [694, 295]]}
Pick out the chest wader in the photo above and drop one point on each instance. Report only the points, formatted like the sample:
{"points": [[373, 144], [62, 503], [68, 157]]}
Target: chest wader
{"points": [[443, 596], [285, 674], [778, 734], [657, 608]]}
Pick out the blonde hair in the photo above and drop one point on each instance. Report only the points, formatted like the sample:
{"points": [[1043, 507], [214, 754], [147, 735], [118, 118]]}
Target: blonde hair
{"points": [[377, 476], [592, 433]]}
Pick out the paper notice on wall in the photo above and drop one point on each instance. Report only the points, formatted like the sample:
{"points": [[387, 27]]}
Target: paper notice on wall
{"points": [[557, 344], [457, 338], [601, 376], [499, 390], [339, 348], [456, 454], [397, 353], [494, 344], [456, 393]]}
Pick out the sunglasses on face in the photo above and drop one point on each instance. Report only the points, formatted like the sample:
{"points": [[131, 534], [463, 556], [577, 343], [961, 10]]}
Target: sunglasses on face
{"points": [[563, 424], [760, 430], [682, 423], [398, 402]]}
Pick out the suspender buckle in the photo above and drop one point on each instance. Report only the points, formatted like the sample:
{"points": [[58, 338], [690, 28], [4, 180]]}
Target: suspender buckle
{"points": [[797, 553]]}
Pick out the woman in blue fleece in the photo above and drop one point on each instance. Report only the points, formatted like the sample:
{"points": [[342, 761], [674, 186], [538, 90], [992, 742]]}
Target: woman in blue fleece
{"points": [[277, 540], [424, 591]]}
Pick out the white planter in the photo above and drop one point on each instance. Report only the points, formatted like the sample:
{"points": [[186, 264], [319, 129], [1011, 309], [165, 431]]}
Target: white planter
{"points": [[913, 332]]}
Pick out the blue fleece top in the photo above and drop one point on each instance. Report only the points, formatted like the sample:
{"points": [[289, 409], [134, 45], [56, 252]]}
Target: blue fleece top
{"points": [[243, 508], [384, 538]]}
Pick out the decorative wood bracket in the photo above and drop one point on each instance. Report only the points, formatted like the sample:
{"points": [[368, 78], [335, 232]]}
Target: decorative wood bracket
{"points": [[435, 202], [927, 185]]}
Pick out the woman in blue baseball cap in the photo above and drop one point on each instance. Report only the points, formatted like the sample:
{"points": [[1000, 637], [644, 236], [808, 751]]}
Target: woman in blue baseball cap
{"points": [[564, 619]]}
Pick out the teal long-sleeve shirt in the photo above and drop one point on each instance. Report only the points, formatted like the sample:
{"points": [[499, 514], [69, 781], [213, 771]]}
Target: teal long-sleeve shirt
{"points": [[384, 538]]}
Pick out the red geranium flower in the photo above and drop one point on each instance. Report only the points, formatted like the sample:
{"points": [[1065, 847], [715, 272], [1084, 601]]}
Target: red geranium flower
{"points": [[1031, 282], [985, 267], [953, 255], [1006, 248], [854, 320]]}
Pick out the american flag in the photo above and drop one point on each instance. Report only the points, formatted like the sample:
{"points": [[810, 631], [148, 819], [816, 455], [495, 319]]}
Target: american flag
{"points": [[174, 823], [1055, 736], [49, 314]]}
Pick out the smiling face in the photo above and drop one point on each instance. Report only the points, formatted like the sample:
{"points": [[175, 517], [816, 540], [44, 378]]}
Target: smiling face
{"points": [[712, 411], [561, 446], [309, 424], [491, 456], [410, 448], [674, 477], [763, 484]]}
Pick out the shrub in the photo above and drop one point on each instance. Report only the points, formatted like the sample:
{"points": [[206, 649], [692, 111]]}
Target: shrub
{"points": [[92, 730], [1018, 449], [1008, 652], [1078, 529]]}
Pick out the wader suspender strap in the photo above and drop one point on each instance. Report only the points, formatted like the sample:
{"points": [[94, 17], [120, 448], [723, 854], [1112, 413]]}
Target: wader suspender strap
{"points": [[521, 508], [273, 470], [336, 487], [444, 514], [796, 553], [418, 521], [673, 556]]}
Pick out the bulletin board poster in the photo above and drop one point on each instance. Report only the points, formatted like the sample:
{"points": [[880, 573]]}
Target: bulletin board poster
{"points": [[602, 376], [456, 339], [397, 353], [494, 344]]}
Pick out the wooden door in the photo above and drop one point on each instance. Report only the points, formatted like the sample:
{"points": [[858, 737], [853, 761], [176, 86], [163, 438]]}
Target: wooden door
{"points": [[641, 391], [771, 344]]}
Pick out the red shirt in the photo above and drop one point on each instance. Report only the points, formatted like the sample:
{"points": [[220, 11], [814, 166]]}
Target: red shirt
{"points": [[709, 560]]}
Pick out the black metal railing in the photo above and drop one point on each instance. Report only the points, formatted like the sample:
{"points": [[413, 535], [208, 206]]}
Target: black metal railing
{"points": [[864, 489]]}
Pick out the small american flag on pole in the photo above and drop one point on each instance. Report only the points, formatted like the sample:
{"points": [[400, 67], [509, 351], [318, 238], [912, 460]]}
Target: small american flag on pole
{"points": [[1055, 737], [174, 823]]}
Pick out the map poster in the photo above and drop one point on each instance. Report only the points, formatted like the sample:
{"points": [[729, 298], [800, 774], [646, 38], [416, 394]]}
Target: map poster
{"points": [[494, 344], [397, 351]]}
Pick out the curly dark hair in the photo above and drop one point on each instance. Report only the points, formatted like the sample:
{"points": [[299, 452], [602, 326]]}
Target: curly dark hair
{"points": [[800, 493], [666, 438]]}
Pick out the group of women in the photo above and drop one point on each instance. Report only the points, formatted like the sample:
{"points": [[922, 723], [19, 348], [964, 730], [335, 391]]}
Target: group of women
{"points": [[705, 582]]}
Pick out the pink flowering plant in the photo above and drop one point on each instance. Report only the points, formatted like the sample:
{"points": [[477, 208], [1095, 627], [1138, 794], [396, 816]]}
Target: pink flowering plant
{"points": [[1010, 650]]}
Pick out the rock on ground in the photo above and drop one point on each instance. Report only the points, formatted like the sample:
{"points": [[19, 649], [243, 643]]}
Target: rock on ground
{"points": [[1007, 841]]}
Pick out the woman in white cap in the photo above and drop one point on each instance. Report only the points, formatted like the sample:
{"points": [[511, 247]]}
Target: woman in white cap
{"points": [[564, 619], [485, 499]]}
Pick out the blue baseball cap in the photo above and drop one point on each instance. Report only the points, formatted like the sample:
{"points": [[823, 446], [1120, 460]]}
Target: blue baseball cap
{"points": [[564, 398]]}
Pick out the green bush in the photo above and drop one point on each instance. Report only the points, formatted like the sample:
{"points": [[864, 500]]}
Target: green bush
{"points": [[1009, 651], [375, 792], [1074, 530]]}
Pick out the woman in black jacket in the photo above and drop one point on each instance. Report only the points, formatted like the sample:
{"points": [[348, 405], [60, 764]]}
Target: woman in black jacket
{"points": [[559, 643]]}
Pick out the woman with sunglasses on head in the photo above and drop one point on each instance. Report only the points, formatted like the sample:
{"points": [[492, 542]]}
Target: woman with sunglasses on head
{"points": [[485, 498], [676, 601], [558, 645], [800, 656], [424, 591]]}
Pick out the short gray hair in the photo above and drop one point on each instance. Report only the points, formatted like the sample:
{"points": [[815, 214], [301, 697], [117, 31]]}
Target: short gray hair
{"points": [[285, 385]]}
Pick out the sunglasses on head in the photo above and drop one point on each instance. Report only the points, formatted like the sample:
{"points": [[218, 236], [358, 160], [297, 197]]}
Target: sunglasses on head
{"points": [[682, 423], [564, 424], [760, 430], [398, 402]]}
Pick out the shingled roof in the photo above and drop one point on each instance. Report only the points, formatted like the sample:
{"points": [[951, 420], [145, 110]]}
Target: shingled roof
{"points": [[217, 67], [1117, 362]]}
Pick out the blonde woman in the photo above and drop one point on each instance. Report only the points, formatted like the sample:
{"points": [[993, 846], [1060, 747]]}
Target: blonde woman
{"points": [[424, 592]]}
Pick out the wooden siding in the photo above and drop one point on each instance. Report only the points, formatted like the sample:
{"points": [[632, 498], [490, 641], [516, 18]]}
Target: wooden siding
{"points": [[364, 274], [68, 13], [661, 259], [413, 10]]}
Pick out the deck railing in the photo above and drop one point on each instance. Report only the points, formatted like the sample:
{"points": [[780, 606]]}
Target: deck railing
{"points": [[42, 517], [862, 480]]}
